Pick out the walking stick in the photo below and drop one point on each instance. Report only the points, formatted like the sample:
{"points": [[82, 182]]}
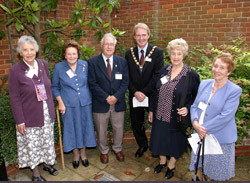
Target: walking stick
{"points": [[60, 136], [204, 178]]}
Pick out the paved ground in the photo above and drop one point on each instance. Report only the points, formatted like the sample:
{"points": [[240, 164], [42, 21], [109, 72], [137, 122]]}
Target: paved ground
{"points": [[137, 169]]}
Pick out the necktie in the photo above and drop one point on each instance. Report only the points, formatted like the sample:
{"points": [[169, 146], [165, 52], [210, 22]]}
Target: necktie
{"points": [[109, 68], [142, 57]]}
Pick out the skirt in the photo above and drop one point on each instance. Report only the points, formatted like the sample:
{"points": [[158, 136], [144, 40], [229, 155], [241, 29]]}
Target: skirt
{"points": [[218, 167], [37, 145], [166, 142], [78, 128]]}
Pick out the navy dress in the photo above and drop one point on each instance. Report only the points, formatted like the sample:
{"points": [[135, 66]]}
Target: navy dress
{"points": [[74, 91], [166, 137]]}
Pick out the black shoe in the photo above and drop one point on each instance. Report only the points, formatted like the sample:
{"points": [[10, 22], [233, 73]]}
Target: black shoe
{"points": [[75, 164], [159, 167], [140, 151], [85, 162], [170, 173]]}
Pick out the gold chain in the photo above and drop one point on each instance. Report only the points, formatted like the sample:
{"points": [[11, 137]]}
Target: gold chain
{"points": [[136, 61]]}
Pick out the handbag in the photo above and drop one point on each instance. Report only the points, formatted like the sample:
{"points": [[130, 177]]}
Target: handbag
{"points": [[185, 121]]}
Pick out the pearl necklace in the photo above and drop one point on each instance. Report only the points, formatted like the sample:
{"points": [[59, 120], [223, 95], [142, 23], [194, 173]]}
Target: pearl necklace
{"points": [[136, 61]]}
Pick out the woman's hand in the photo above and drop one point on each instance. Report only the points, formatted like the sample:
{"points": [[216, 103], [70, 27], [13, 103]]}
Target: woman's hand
{"points": [[182, 111], [61, 107], [202, 132], [150, 117], [21, 129]]}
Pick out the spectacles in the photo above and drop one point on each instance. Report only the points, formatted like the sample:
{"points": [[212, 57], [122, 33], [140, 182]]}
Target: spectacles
{"points": [[109, 44]]}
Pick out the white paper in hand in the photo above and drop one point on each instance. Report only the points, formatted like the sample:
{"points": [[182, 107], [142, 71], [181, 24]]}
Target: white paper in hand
{"points": [[212, 145], [136, 103]]}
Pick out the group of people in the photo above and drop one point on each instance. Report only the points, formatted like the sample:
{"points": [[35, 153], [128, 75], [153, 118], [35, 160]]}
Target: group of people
{"points": [[97, 89]]}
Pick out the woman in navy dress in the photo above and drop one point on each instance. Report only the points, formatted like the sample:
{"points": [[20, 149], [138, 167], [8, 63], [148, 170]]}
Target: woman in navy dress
{"points": [[70, 88], [167, 140]]}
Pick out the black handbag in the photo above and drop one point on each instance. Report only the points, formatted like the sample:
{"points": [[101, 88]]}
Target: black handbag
{"points": [[185, 121]]}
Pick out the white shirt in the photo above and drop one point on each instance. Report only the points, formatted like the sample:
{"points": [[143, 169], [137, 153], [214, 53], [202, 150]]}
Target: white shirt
{"points": [[32, 70], [144, 49], [110, 61]]}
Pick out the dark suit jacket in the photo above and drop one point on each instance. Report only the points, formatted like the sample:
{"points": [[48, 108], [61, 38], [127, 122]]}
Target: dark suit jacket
{"points": [[25, 106], [146, 81], [194, 81], [101, 86]]}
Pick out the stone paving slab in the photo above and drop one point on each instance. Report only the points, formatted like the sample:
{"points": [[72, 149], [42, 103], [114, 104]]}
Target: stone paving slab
{"points": [[142, 169]]}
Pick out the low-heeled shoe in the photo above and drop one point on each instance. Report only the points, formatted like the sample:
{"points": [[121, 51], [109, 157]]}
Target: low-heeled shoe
{"points": [[85, 162], [75, 164], [159, 167], [170, 173], [139, 153]]}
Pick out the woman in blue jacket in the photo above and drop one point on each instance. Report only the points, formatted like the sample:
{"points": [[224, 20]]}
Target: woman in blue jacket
{"points": [[70, 87], [213, 112]]}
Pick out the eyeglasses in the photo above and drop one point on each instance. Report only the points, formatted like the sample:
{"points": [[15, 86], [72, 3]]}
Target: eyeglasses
{"points": [[109, 44]]}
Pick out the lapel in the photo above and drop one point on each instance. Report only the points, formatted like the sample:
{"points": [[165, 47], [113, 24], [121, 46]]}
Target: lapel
{"points": [[102, 66], [135, 49], [115, 67], [146, 64]]}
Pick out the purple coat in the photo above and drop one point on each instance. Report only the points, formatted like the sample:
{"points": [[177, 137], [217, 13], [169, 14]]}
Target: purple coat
{"points": [[25, 106]]}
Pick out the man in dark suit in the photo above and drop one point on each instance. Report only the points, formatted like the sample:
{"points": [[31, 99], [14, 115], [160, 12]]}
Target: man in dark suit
{"points": [[108, 80], [144, 64]]}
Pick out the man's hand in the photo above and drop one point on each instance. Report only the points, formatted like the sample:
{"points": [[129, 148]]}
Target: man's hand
{"points": [[111, 100], [139, 96]]}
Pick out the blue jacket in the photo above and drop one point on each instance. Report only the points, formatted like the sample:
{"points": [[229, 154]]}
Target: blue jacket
{"points": [[219, 118], [72, 90], [101, 86]]}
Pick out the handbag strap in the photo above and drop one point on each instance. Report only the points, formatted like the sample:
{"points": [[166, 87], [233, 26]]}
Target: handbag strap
{"points": [[184, 91]]}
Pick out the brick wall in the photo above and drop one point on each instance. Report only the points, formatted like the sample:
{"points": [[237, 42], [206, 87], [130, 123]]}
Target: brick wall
{"points": [[197, 21]]}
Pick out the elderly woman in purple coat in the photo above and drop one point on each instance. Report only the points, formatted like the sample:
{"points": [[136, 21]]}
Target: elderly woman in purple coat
{"points": [[33, 109]]}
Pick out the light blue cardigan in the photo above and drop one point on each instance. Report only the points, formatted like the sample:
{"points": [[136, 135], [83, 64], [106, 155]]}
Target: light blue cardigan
{"points": [[219, 118]]}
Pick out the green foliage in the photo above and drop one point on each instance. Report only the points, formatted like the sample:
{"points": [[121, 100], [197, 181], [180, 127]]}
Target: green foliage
{"points": [[7, 127]]}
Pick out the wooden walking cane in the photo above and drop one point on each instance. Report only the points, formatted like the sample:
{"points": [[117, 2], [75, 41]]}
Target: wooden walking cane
{"points": [[60, 136]]}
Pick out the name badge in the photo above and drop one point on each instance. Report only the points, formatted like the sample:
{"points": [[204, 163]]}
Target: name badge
{"points": [[118, 76], [41, 92], [202, 106], [148, 59], [70, 73], [164, 79]]}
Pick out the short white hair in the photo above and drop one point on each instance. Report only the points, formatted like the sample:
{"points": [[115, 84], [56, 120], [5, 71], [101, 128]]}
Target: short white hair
{"points": [[179, 44], [108, 35], [26, 39]]}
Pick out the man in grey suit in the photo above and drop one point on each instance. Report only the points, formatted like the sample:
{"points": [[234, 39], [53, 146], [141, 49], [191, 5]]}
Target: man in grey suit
{"points": [[108, 81]]}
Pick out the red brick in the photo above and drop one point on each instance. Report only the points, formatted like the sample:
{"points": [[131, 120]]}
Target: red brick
{"points": [[228, 1], [212, 2], [242, 148], [213, 11], [167, 6]]}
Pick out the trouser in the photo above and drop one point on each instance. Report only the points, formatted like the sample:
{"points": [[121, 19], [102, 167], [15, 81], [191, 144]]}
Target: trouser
{"points": [[137, 123]]}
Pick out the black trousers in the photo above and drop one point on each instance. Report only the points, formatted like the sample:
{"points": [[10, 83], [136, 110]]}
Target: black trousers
{"points": [[137, 123]]}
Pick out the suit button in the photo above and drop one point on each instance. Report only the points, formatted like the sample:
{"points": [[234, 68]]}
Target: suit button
{"points": [[79, 93], [206, 114], [76, 79], [77, 88], [76, 84]]}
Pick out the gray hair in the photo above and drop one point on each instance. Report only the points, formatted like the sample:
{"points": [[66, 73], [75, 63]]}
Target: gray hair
{"points": [[26, 39], [108, 35], [179, 44], [143, 26]]}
